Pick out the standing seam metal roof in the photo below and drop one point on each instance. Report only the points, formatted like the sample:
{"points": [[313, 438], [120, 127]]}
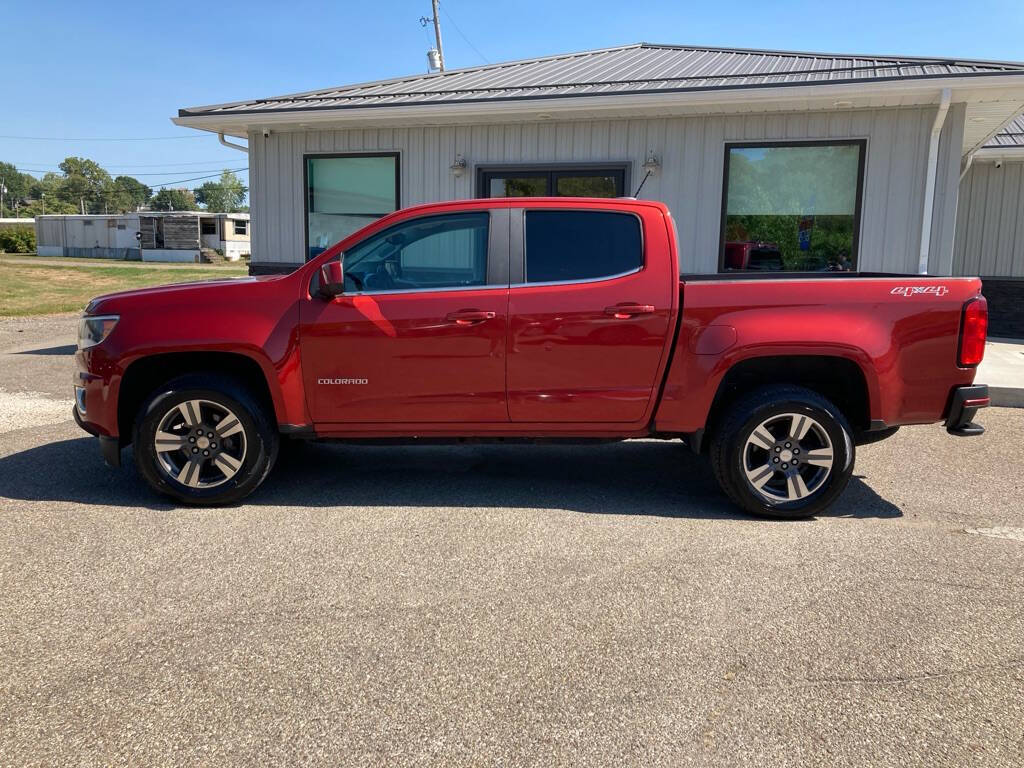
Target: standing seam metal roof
{"points": [[639, 68], [1011, 136]]}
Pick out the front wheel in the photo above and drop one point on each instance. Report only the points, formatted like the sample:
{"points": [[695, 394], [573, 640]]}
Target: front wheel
{"points": [[204, 439], [783, 452]]}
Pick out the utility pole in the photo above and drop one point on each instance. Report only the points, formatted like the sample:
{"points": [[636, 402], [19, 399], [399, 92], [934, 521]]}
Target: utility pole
{"points": [[2, 190], [435, 57], [437, 32]]}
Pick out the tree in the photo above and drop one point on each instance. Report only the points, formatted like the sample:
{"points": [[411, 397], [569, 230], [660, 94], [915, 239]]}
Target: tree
{"points": [[17, 185], [85, 183], [127, 194], [174, 200], [224, 196], [44, 196]]}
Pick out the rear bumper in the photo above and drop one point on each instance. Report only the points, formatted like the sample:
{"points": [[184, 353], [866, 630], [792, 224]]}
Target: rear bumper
{"points": [[965, 404], [110, 447]]}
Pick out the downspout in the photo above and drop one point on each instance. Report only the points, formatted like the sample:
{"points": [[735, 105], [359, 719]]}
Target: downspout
{"points": [[967, 164], [226, 143], [929, 184]]}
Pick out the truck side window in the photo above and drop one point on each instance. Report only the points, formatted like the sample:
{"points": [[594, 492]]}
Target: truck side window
{"points": [[448, 251], [568, 246]]}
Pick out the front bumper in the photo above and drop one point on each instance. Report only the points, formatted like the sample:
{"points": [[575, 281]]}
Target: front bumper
{"points": [[965, 403], [110, 447]]}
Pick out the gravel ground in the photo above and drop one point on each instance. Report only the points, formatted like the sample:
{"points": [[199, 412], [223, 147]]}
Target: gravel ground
{"points": [[502, 605]]}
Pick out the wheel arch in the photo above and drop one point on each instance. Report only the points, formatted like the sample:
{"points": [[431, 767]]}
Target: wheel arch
{"points": [[838, 378], [145, 374]]}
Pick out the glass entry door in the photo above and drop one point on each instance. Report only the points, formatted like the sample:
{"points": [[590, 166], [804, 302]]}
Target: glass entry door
{"points": [[552, 181]]}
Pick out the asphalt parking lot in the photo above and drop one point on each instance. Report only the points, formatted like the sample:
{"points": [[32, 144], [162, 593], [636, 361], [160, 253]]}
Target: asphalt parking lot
{"points": [[504, 605]]}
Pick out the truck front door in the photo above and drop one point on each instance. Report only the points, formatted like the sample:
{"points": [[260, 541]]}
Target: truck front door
{"points": [[590, 311], [419, 334]]}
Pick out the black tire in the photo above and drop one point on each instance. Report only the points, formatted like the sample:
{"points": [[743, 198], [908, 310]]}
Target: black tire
{"points": [[730, 454], [261, 438]]}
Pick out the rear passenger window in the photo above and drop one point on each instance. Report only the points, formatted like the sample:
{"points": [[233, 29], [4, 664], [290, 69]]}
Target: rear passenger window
{"points": [[581, 245]]}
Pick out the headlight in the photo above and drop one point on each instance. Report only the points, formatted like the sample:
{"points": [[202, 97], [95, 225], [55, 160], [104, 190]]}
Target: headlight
{"points": [[93, 330]]}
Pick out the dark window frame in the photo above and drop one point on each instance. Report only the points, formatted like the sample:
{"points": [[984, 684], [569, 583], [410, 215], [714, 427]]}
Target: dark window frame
{"points": [[518, 278], [498, 254], [207, 222], [550, 171], [307, 192], [245, 226], [858, 207]]}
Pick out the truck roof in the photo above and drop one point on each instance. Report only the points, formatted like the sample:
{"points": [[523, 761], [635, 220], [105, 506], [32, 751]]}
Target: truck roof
{"points": [[568, 202]]}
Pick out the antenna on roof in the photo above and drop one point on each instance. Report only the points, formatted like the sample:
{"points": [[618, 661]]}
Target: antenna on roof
{"points": [[435, 56], [651, 164]]}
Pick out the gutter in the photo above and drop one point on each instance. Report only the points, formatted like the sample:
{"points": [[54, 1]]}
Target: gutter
{"points": [[998, 153], [568, 107], [929, 188], [226, 143]]}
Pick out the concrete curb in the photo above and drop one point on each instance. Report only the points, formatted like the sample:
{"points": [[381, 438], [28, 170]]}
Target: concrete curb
{"points": [[1007, 397], [1003, 371]]}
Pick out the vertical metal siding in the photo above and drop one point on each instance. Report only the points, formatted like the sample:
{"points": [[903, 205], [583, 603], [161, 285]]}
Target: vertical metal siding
{"points": [[690, 179], [989, 232]]}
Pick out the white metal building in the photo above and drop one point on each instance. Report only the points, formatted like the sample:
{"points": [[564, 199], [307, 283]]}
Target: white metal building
{"points": [[841, 161], [990, 225], [148, 236]]}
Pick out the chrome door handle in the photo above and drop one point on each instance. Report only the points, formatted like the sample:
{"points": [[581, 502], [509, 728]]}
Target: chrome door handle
{"points": [[470, 316], [628, 309]]}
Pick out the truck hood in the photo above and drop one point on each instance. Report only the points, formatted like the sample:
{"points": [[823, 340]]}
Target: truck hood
{"points": [[158, 295]]}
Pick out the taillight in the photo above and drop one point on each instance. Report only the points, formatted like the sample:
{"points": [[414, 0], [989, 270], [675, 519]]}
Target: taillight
{"points": [[973, 328]]}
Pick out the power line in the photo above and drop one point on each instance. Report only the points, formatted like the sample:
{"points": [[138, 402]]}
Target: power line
{"points": [[139, 138], [462, 34], [94, 194], [126, 165], [152, 173]]}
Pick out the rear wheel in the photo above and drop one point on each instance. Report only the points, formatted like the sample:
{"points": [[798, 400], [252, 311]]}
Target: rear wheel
{"points": [[783, 452], [203, 439]]}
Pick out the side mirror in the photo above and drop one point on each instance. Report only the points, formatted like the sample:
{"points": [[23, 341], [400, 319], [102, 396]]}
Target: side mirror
{"points": [[332, 279]]}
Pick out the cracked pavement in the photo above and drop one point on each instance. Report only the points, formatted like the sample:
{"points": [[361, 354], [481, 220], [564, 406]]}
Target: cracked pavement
{"points": [[502, 605]]}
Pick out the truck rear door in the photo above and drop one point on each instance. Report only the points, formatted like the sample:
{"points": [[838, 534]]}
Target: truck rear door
{"points": [[591, 307]]}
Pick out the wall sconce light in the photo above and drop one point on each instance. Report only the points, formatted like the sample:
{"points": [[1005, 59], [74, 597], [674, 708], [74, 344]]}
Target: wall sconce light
{"points": [[458, 167], [652, 164]]}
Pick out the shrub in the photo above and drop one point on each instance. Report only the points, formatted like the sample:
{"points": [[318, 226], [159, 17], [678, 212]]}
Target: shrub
{"points": [[18, 240]]}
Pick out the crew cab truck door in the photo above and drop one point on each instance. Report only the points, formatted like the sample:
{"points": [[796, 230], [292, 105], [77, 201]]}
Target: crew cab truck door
{"points": [[590, 312], [419, 333]]}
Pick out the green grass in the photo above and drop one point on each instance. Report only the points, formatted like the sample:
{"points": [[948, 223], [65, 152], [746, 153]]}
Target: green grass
{"points": [[39, 289]]}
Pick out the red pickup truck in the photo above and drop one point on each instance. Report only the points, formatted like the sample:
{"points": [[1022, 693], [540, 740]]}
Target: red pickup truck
{"points": [[554, 318]]}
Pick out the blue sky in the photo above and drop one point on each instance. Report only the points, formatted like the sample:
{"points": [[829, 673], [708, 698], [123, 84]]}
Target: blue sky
{"points": [[121, 70]]}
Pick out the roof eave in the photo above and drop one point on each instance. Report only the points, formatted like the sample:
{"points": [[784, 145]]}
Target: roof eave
{"points": [[237, 123], [991, 154]]}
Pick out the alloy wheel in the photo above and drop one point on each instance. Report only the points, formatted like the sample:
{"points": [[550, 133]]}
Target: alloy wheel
{"points": [[200, 444], [787, 457]]}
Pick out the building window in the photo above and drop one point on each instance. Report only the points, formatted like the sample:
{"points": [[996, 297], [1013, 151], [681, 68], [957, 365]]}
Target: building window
{"points": [[86, 222], [569, 246], [552, 181], [792, 207], [345, 193], [241, 226], [208, 226]]}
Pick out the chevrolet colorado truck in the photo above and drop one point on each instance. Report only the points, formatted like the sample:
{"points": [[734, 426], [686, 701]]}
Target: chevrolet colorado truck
{"points": [[535, 319]]}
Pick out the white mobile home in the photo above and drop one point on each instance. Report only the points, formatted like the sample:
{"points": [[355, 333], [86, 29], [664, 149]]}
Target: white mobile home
{"points": [[182, 236]]}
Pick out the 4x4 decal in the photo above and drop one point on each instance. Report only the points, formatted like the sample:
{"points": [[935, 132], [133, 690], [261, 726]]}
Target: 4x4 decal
{"points": [[915, 290]]}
